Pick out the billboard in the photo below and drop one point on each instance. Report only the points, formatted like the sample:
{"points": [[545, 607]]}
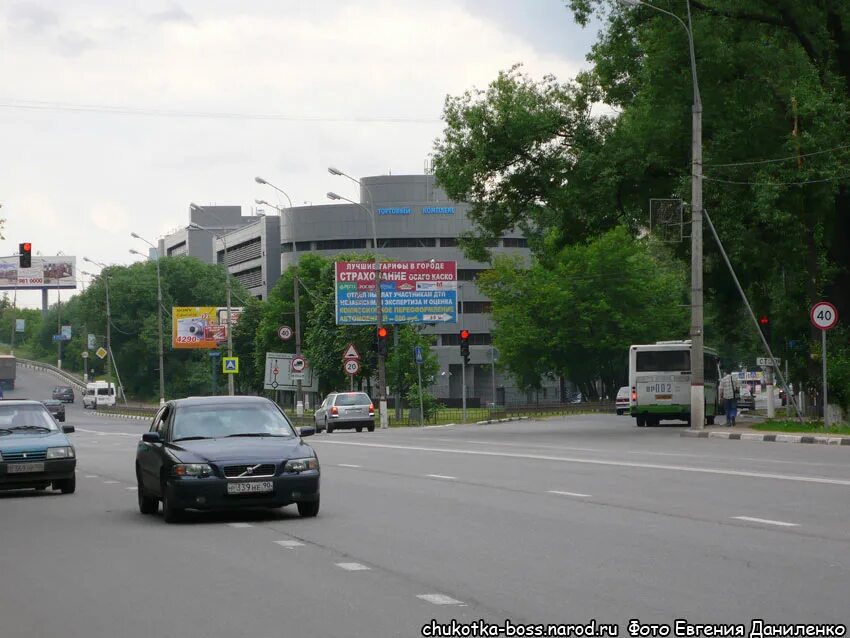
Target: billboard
{"points": [[201, 326], [279, 374], [411, 292], [46, 272]]}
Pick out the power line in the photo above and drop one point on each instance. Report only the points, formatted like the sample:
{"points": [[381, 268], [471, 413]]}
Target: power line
{"points": [[771, 183], [780, 159], [38, 105]]}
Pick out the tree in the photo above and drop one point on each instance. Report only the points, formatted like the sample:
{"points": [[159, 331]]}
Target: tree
{"points": [[576, 315]]}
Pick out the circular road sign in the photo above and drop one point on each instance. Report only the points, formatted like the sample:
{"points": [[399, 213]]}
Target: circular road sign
{"points": [[84, 354], [285, 333], [824, 315], [351, 366], [298, 364]]}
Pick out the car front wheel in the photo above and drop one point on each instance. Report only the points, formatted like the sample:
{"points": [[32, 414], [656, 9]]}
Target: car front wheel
{"points": [[147, 504], [66, 486], [308, 509], [170, 514]]}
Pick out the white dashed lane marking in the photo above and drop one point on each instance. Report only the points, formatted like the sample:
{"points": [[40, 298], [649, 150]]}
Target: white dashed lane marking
{"points": [[441, 476], [560, 493], [290, 544], [353, 567], [764, 521], [132, 488], [92, 476], [347, 465], [110, 482], [239, 525], [440, 599]]}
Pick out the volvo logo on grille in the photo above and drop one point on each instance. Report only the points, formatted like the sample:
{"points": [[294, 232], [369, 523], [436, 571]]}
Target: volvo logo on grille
{"points": [[24, 455], [250, 470]]}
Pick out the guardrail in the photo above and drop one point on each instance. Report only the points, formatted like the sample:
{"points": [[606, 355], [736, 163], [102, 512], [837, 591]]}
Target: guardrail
{"points": [[53, 370]]}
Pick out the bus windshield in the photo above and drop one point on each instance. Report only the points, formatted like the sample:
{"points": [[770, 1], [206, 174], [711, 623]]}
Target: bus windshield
{"points": [[663, 361]]}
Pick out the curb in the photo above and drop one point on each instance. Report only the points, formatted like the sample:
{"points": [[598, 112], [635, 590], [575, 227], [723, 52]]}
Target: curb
{"points": [[510, 418], [122, 416], [823, 439]]}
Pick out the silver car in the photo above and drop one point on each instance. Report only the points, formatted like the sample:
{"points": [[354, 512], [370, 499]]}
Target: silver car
{"points": [[345, 411]]}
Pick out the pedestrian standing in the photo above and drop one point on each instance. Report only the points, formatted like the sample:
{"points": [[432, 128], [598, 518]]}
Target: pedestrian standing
{"points": [[730, 390]]}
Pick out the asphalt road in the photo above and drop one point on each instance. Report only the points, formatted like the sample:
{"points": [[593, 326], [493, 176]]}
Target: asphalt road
{"points": [[557, 521]]}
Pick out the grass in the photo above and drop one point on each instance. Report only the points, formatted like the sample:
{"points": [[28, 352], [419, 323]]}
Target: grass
{"points": [[808, 427]]}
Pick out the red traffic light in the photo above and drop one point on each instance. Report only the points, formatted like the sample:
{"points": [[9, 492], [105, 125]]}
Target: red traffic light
{"points": [[464, 334], [27, 247], [764, 320], [382, 333]]}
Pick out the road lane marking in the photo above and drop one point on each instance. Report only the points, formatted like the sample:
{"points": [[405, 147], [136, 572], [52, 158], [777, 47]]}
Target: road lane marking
{"points": [[765, 521], [353, 567], [131, 488], [442, 476], [92, 476], [439, 599], [560, 493], [289, 544], [239, 525], [110, 482], [99, 433], [347, 465], [603, 462]]}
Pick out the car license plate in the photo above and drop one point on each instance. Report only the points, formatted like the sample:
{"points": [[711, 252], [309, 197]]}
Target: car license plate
{"points": [[663, 397], [250, 487], [23, 468]]}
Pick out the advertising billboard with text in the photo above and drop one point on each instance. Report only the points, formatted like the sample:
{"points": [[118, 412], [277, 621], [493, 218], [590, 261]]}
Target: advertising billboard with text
{"points": [[201, 326], [45, 272]]}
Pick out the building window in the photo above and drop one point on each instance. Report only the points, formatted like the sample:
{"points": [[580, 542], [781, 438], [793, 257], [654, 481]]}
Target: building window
{"points": [[286, 248], [475, 307], [303, 246], [407, 242], [240, 253], [469, 274], [251, 278], [449, 241], [514, 242], [340, 244], [178, 249]]}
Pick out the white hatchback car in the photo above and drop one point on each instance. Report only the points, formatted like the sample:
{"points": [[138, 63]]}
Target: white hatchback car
{"points": [[622, 401]]}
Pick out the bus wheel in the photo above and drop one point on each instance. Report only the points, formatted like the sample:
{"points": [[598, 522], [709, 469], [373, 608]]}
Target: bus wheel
{"points": [[641, 421]]}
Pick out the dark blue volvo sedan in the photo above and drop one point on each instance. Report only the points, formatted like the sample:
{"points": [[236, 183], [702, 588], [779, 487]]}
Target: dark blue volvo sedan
{"points": [[34, 451], [212, 453]]}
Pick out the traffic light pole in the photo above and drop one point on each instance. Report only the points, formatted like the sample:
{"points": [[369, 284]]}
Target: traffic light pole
{"points": [[462, 360]]}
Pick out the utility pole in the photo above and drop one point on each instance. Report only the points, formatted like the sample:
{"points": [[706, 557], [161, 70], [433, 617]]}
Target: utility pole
{"points": [[462, 360]]}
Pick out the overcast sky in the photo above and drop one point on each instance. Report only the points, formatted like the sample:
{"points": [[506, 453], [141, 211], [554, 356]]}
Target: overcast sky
{"points": [[302, 80]]}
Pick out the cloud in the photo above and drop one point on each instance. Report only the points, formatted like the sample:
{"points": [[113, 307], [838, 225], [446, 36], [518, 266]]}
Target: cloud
{"points": [[110, 217], [175, 13], [31, 18]]}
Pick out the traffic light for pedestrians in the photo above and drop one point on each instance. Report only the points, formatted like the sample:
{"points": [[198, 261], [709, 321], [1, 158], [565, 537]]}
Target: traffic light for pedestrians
{"points": [[464, 345], [764, 324], [381, 341], [25, 255]]}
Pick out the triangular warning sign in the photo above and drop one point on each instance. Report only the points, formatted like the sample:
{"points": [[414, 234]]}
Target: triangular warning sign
{"points": [[350, 352]]}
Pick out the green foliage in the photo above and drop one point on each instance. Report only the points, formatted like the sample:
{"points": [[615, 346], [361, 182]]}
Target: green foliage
{"points": [[577, 314], [430, 404]]}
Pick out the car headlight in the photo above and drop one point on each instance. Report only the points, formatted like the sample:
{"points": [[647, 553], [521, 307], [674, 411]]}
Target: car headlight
{"points": [[66, 452], [301, 465], [192, 469]]}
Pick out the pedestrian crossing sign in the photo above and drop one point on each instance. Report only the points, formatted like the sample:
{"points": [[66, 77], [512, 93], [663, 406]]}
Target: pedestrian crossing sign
{"points": [[230, 365]]}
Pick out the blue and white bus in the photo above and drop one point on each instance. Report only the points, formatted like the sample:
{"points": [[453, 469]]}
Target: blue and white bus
{"points": [[660, 382]]}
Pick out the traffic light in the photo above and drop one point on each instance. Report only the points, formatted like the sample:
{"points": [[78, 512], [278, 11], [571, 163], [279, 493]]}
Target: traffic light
{"points": [[25, 252], [764, 324], [464, 345], [381, 341]]}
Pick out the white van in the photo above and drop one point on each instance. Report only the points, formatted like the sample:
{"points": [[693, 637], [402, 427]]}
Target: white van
{"points": [[99, 393]]}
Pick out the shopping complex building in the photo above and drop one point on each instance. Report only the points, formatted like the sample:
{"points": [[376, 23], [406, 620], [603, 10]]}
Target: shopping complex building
{"points": [[415, 221]]}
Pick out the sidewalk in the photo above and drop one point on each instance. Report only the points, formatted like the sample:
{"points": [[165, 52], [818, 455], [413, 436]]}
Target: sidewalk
{"points": [[742, 431]]}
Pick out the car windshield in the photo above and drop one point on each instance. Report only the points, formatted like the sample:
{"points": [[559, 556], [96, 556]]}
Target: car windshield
{"points": [[218, 421], [353, 398], [26, 417]]}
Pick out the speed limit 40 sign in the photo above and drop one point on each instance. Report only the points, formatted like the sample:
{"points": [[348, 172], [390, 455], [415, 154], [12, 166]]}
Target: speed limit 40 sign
{"points": [[824, 315]]}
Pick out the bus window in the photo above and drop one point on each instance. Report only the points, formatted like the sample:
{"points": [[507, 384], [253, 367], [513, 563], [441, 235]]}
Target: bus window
{"points": [[710, 369], [663, 361]]}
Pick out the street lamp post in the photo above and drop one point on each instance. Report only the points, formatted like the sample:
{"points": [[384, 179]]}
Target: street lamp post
{"points": [[379, 319], [158, 316], [296, 292], [231, 388], [697, 323], [108, 323]]}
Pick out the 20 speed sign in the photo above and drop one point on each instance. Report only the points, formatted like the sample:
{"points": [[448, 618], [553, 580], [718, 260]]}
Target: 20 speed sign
{"points": [[824, 315], [351, 366]]}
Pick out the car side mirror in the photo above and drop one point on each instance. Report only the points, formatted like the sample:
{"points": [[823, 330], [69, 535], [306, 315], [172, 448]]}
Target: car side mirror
{"points": [[306, 430], [68, 429], [151, 437]]}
